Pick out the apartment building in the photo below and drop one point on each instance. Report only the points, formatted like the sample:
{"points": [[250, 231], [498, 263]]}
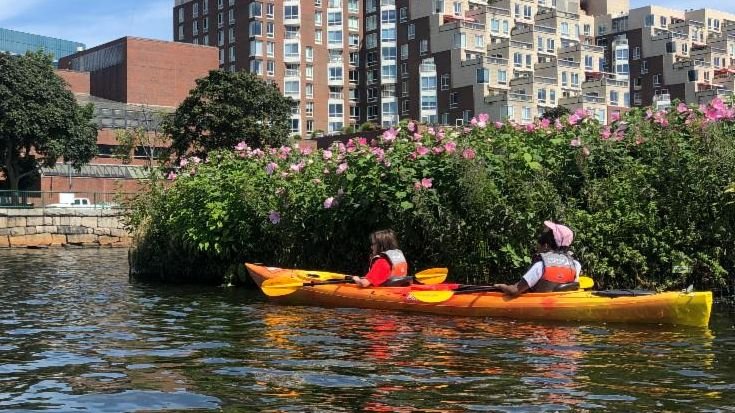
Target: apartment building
{"points": [[438, 61], [310, 50], [669, 54]]}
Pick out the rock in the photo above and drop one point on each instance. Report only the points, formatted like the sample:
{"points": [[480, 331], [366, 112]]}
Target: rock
{"points": [[17, 221], [4, 242], [58, 240], [81, 239], [34, 221], [68, 229], [108, 241], [17, 231], [89, 222], [34, 240]]}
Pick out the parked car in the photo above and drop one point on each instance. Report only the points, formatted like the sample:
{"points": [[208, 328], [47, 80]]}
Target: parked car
{"points": [[76, 203]]}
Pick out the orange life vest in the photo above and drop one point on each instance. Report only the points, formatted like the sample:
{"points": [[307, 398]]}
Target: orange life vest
{"points": [[558, 268], [398, 263]]}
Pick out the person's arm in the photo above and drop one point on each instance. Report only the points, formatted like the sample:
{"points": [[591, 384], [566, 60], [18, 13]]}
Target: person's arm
{"points": [[514, 290], [378, 274], [529, 279]]}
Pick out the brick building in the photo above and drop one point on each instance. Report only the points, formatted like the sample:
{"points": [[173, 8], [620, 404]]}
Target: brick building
{"points": [[130, 82]]}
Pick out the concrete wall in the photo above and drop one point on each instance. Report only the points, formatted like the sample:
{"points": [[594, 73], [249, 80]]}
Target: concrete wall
{"points": [[58, 227]]}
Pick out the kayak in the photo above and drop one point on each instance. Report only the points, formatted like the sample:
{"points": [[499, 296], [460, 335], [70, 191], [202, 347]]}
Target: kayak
{"points": [[679, 308]]}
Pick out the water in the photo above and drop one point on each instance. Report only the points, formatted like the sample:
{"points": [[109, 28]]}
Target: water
{"points": [[77, 336]]}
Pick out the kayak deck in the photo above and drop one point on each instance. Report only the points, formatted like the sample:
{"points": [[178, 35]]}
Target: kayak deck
{"points": [[692, 309]]}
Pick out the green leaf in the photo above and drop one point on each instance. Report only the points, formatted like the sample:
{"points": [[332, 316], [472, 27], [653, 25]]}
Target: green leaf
{"points": [[405, 205], [535, 166], [400, 194], [528, 157]]}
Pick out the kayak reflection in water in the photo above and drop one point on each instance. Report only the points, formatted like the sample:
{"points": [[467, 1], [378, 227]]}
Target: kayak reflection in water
{"points": [[554, 267], [388, 265]]}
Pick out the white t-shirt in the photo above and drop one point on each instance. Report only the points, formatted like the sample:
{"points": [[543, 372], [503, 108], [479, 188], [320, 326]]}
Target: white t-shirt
{"points": [[536, 272]]}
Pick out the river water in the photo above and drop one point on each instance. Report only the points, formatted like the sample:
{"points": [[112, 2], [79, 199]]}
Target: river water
{"points": [[78, 336]]}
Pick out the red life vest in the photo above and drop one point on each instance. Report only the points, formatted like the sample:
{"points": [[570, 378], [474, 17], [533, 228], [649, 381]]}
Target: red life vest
{"points": [[558, 268], [398, 263]]}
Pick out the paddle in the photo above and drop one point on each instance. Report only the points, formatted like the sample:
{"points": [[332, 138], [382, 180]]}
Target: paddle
{"points": [[428, 276], [444, 295], [287, 284]]}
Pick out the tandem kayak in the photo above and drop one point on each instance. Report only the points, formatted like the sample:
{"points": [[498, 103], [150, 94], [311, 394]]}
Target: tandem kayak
{"points": [[680, 308]]}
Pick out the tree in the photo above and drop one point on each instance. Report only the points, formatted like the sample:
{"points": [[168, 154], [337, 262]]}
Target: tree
{"points": [[40, 120], [146, 139], [226, 108], [556, 113]]}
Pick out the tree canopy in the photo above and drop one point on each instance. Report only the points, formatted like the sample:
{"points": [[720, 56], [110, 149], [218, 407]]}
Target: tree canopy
{"points": [[40, 120], [227, 108]]}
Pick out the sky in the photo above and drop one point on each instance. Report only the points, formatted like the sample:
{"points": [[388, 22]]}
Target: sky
{"points": [[93, 22]]}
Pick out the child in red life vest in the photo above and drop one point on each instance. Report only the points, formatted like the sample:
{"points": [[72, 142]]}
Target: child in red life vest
{"points": [[554, 267], [388, 266]]}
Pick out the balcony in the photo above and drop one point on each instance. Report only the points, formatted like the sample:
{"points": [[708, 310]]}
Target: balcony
{"points": [[292, 58], [336, 81], [292, 20], [293, 73], [336, 95], [427, 67]]}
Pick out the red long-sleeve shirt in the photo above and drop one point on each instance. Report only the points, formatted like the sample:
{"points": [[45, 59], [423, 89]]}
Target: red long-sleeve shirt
{"points": [[379, 272]]}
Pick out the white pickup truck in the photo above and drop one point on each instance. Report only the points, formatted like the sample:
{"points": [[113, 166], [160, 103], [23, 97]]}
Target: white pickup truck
{"points": [[70, 201]]}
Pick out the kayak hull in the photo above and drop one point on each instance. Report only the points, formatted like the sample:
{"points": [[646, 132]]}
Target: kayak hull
{"points": [[679, 308]]}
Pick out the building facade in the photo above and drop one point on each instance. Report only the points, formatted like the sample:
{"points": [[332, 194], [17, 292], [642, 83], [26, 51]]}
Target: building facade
{"points": [[670, 54], [441, 61], [308, 49], [15, 42], [130, 82]]}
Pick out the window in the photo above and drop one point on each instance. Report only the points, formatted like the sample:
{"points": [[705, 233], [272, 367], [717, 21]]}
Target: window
{"points": [[502, 77], [195, 27], [648, 20], [403, 14], [318, 37], [371, 41], [388, 16], [405, 106], [291, 50], [588, 62], [495, 25], [411, 31], [390, 108], [565, 29], [270, 9], [256, 28], [657, 80], [479, 41], [195, 10], [291, 12], [232, 57], [181, 15], [517, 59], [390, 72], [527, 12], [388, 34], [353, 6], [318, 18], [575, 79], [636, 53], [541, 95], [428, 102], [334, 37], [270, 67], [662, 21], [614, 95], [564, 79], [270, 49], [424, 47], [453, 100], [334, 18], [310, 123], [371, 23], [445, 81], [483, 75], [458, 8], [526, 113], [550, 45], [256, 9], [256, 66], [353, 23], [404, 52], [309, 90], [181, 32], [353, 40], [428, 83], [295, 126], [336, 110], [389, 53], [552, 96], [335, 73]]}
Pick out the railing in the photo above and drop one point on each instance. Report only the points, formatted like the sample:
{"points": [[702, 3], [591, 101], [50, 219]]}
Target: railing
{"points": [[53, 199]]}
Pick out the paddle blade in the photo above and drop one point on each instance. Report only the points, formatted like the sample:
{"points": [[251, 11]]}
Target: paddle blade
{"points": [[431, 296], [586, 283], [432, 276], [279, 286]]}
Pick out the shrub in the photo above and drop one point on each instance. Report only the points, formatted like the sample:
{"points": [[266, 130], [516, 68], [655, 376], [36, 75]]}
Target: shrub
{"points": [[644, 195]]}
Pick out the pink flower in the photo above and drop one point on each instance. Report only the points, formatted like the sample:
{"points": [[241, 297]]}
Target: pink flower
{"points": [[183, 162], [379, 153], [274, 217], [576, 142], [438, 149], [195, 159], [431, 131], [545, 123], [482, 119], [417, 136], [558, 125], [606, 133], [530, 128], [649, 114], [473, 121], [574, 119], [341, 168], [297, 167], [468, 153], [362, 141], [427, 182], [450, 147], [682, 108], [327, 154], [390, 135], [328, 202], [411, 126], [498, 124], [440, 135], [171, 176], [271, 167], [257, 153], [241, 146], [306, 151], [421, 150], [615, 116], [467, 130]]}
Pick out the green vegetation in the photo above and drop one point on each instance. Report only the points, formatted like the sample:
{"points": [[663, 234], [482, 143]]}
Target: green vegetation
{"points": [[646, 197], [40, 120], [226, 108]]}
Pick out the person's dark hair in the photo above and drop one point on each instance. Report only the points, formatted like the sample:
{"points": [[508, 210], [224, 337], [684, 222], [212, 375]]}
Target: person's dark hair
{"points": [[546, 239], [383, 240]]}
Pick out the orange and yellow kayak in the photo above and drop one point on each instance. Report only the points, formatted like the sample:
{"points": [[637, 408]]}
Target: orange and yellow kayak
{"points": [[680, 308]]}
